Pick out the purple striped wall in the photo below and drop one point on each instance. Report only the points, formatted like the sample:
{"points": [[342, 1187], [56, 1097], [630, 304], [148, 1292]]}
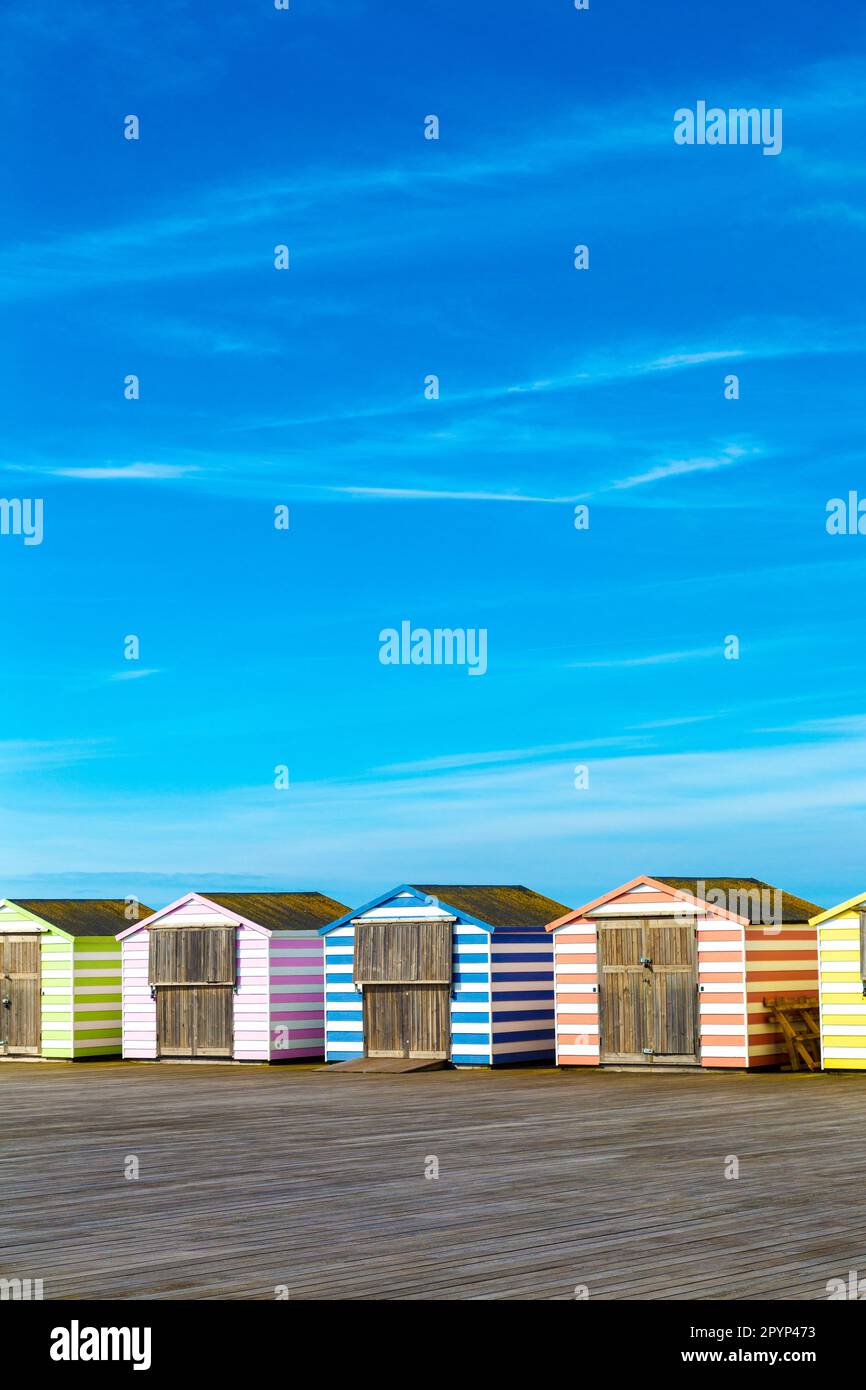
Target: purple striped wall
{"points": [[297, 996]]}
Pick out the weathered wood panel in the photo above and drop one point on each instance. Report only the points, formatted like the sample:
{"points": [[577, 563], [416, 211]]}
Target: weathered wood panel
{"points": [[384, 1032], [426, 1010], [648, 990], [20, 1024], [673, 986], [406, 1020], [623, 993], [403, 952], [194, 1020], [192, 955]]}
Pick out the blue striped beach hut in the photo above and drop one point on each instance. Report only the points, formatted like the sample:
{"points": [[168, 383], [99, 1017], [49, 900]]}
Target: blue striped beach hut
{"points": [[460, 973]]}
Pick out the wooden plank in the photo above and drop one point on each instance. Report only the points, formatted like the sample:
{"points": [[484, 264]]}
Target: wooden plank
{"points": [[548, 1180]]}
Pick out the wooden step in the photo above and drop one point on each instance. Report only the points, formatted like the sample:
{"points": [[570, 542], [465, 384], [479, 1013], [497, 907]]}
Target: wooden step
{"points": [[393, 1065]]}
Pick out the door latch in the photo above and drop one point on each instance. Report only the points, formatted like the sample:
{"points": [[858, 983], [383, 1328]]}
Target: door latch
{"points": [[648, 1051], [646, 960]]}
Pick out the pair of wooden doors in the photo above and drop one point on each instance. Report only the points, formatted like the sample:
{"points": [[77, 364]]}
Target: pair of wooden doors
{"points": [[20, 995], [404, 971], [648, 991], [406, 1020], [193, 971]]}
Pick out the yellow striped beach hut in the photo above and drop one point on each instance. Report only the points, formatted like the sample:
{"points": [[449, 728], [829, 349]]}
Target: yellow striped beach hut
{"points": [[842, 963]]}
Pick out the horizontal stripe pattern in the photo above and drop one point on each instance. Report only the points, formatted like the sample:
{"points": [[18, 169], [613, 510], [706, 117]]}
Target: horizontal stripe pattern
{"points": [[840, 989], [471, 1025], [297, 996], [278, 1001], [736, 967], [501, 995], [523, 1020], [80, 1000]]}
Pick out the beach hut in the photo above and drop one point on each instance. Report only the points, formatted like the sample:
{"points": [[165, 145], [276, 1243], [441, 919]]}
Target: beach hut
{"points": [[842, 990], [459, 973], [231, 975], [674, 972], [60, 976]]}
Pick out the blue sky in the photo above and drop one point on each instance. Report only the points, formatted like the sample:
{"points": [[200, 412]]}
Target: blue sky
{"points": [[260, 647]]}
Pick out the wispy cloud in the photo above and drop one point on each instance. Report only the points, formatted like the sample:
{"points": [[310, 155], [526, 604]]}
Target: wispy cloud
{"points": [[25, 755], [441, 494], [652, 659], [229, 226], [134, 674], [534, 753], [121, 471], [676, 468], [486, 821]]}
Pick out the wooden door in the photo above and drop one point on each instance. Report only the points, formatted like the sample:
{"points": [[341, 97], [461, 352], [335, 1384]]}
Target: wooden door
{"points": [[428, 1016], [20, 1026], [175, 1029], [647, 991], [384, 1030], [194, 1020], [623, 998], [404, 970], [406, 1020], [673, 972], [193, 970]]}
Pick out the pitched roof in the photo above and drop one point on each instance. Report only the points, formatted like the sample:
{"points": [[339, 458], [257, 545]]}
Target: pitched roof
{"points": [[858, 901], [83, 916], [748, 897], [497, 904], [281, 911]]}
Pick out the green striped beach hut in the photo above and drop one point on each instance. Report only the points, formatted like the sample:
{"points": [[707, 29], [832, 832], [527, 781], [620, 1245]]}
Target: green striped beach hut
{"points": [[60, 988]]}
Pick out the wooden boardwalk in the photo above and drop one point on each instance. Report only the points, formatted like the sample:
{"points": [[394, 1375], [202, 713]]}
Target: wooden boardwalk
{"points": [[253, 1177]]}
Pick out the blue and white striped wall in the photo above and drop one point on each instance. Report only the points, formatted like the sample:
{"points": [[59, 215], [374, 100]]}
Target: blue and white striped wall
{"points": [[502, 988]]}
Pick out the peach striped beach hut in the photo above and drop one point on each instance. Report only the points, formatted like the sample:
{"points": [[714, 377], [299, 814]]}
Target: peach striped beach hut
{"points": [[674, 972]]}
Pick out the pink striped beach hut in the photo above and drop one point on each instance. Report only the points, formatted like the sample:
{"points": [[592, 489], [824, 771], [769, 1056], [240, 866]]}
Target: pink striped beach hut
{"points": [[227, 975], [680, 972]]}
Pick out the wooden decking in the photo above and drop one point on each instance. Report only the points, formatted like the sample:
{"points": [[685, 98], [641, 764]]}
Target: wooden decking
{"points": [[254, 1177]]}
